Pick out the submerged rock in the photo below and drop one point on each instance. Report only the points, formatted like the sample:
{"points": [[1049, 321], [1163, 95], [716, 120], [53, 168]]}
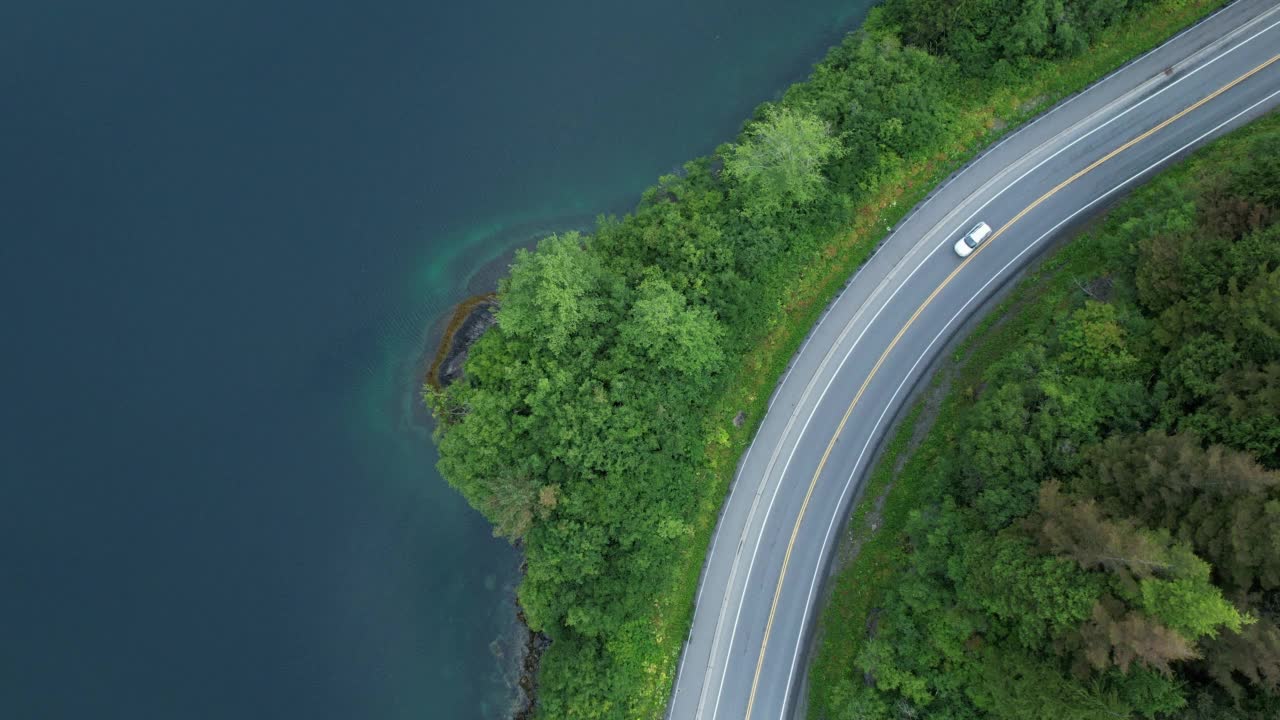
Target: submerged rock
{"points": [[535, 643]]}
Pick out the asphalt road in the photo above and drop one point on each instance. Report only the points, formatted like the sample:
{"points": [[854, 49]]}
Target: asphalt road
{"points": [[756, 603]]}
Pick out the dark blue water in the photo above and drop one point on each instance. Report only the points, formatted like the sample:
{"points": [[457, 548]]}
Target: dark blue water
{"points": [[225, 231]]}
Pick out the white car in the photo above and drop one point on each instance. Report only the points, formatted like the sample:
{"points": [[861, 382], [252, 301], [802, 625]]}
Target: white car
{"points": [[966, 244]]}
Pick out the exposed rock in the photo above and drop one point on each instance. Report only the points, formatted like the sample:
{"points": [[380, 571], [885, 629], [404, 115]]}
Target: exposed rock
{"points": [[534, 644], [740, 418], [470, 321], [527, 689]]}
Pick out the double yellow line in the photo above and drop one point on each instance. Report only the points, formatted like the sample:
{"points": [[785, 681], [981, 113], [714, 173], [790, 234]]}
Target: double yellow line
{"points": [[786, 559]]}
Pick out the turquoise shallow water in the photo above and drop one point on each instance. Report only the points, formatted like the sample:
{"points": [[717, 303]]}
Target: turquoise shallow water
{"points": [[227, 231]]}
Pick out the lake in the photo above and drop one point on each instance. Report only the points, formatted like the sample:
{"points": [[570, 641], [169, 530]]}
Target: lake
{"points": [[227, 231]]}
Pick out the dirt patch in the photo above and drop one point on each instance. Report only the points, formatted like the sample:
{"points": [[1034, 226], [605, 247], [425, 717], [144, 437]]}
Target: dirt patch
{"points": [[1032, 104], [1099, 288], [931, 404]]}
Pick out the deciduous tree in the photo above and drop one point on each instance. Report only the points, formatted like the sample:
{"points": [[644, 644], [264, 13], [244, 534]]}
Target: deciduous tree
{"points": [[781, 158]]}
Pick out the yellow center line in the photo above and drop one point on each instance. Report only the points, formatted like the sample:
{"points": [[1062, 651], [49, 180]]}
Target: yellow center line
{"points": [[786, 558]]}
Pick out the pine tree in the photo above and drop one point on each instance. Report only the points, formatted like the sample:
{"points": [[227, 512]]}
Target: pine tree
{"points": [[1079, 530], [1117, 636], [1220, 501], [1252, 654]]}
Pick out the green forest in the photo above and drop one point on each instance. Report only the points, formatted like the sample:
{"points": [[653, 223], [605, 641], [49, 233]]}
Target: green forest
{"points": [[1092, 527], [596, 422]]}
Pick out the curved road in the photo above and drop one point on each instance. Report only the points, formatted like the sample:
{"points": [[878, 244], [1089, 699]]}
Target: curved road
{"points": [[746, 649]]}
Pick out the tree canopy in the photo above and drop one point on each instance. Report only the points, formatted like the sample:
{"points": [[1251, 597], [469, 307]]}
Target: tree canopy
{"points": [[781, 159], [1101, 536], [586, 426]]}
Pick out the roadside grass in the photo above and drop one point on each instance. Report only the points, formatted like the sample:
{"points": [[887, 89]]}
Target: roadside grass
{"points": [[1041, 298], [990, 114]]}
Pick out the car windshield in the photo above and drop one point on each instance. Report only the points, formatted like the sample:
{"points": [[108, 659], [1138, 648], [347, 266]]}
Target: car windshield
{"points": [[968, 240]]}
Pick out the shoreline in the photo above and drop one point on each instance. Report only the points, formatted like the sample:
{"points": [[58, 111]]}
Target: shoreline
{"points": [[449, 335], [480, 281], [524, 706], [467, 323], [517, 653]]}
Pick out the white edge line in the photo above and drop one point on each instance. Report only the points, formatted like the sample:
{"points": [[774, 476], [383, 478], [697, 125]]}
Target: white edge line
{"points": [[875, 428], [839, 367], [1019, 131], [895, 231]]}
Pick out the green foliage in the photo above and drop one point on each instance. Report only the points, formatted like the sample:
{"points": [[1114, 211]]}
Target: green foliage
{"points": [[1016, 685], [1093, 343], [1258, 180], [1128, 639], [1037, 597], [1104, 538], [1251, 656], [888, 103], [555, 295], [586, 422], [1078, 529], [663, 331], [1217, 499], [780, 159], [994, 34], [1192, 606]]}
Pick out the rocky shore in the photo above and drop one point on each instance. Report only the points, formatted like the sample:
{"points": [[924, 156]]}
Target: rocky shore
{"points": [[535, 643], [470, 320]]}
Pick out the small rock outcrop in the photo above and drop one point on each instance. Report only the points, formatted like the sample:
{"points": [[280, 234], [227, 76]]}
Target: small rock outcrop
{"points": [[470, 321], [535, 643]]}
